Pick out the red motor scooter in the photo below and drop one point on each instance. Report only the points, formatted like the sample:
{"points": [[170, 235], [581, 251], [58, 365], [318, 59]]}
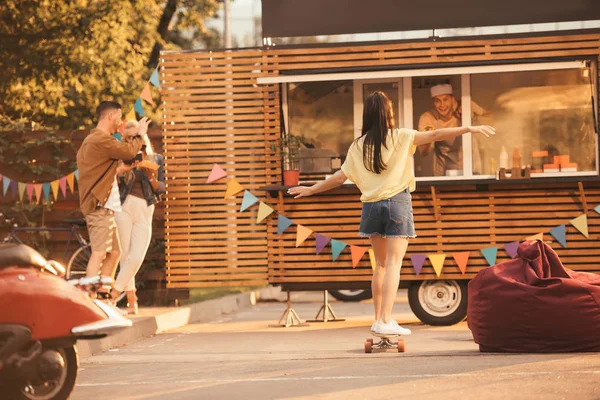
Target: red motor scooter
{"points": [[41, 318]]}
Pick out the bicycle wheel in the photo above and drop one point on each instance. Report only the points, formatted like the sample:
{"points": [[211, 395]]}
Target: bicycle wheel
{"points": [[76, 268]]}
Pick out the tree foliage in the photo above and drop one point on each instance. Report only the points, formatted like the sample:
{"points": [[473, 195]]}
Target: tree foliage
{"points": [[59, 58]]}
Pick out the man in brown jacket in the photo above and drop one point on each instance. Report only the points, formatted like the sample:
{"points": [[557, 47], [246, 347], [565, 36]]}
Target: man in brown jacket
{"points": [[97, 161]]}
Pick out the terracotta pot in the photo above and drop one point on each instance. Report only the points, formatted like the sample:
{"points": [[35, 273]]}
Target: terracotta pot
{"points": [[291, 177]]}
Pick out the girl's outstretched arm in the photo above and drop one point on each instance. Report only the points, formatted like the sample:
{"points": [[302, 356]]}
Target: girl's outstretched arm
{"points": [[333, 181], [449, 133]]}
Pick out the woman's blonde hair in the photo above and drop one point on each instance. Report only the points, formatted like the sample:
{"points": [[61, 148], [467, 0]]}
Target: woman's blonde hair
{"points": [[134, 124]]}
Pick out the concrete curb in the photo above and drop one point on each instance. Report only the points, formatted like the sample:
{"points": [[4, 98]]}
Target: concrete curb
{"points": [[174, 318]]}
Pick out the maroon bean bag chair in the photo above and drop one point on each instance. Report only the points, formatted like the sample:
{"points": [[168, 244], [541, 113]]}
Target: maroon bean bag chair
{"points": [[533, 304]]}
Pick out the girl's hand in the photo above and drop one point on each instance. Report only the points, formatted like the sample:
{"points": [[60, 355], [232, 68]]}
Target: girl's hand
{"points": [[300, 191], [121, 169], [149, 173], [483, 129]]}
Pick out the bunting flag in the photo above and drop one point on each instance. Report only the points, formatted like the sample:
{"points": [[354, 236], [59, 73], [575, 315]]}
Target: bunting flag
{"points": [[139, 107], [511, 248], [462, 259], [263, 212], [38, 192], [5, 184], [322, 241], [71, 182], [418, 260], [62, 182], [129, 117], [22, 188], [283, 223], [146, 94], [490, 254], [560, 234], [216, 174], [357, 253], [14, 187], [581, 224], [539, 236], [437, 260], [302, 234], [76, 173], [154, 79], [597, 209], [54, 186], [372, 259], [336, 248], [233, 188], [248, 201], [30, 192], [46, 189]]}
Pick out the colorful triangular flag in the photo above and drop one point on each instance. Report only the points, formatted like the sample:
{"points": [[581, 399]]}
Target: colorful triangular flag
{"points": [[248, 200], [372, 259], [71, 182], [336, 248], [537, 236], [216, 174], [5, 185], [321, 242], [76, 173], [560, 234], [139, 107], [437, 260], [597, 209], [30, 192], [511, 248], [490, 254], [22, 188], [146, 94], [302, 234], [462, 258], [14, 187], [62, 182], [46, 189], [357, 253], [283, 223], [54, 186], [130, 116], [233, 188], [581, 224], [38, 192], [263, 212], [418, 260], [154, 79]]}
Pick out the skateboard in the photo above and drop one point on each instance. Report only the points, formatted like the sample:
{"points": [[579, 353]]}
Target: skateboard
{"points": [[385, 343]]}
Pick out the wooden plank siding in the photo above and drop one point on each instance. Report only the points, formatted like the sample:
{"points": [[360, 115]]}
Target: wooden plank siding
{"points": [[215, 112]]}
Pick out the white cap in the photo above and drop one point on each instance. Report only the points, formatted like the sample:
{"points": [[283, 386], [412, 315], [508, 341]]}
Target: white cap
{"points": [[439, 90]]}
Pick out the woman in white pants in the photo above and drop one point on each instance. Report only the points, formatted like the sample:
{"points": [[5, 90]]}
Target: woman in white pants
{"points": [[140, 190]]}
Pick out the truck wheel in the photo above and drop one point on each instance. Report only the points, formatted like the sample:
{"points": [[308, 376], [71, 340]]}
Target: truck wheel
{"points": [[351, 295], [439, 302]]}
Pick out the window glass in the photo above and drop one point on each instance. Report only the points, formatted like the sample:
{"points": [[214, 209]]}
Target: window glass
{"points": [[543, 119], [436, 104], [322, 114]]}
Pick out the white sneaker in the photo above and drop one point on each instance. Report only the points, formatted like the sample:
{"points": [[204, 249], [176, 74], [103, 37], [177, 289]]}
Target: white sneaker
{"points": [[374, 326], [391, 328]]}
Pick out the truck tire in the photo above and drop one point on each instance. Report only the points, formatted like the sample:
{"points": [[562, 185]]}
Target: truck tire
{"points": [[352, 295], [439, 302]]}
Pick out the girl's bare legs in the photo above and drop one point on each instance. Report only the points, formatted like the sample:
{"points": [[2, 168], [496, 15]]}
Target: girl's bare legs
{"points": [[395, 251], [379, 248]]}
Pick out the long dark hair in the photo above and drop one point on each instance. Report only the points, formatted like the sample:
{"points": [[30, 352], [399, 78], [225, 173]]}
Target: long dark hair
{"points": [[378, 118]]}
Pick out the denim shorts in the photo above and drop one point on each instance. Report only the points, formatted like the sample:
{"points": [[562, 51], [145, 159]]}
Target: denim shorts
{"points": [[392, 218]]}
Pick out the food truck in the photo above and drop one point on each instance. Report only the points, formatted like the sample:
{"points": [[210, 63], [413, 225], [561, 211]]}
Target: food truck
{"points": [[262, 113]]}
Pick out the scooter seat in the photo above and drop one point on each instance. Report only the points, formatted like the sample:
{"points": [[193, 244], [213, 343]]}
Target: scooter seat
{"points": [[20, 255]]}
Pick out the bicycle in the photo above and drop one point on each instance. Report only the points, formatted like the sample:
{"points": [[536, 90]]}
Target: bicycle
{"points": [[77, 264]]}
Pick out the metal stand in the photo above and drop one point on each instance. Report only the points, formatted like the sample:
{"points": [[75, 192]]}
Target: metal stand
{"points": [[290, 316], [326, 310]]}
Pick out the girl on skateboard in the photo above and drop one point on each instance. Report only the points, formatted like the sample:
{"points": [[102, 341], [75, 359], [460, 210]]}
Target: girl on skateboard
{"points": [[380, 163]]}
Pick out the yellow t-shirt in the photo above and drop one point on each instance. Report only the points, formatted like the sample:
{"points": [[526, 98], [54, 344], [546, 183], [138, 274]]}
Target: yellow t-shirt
{"points": [[399, 174]]}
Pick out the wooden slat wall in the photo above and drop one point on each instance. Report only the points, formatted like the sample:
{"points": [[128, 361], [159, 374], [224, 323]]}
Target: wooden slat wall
{"points": [[469, 221], [214, 112]]}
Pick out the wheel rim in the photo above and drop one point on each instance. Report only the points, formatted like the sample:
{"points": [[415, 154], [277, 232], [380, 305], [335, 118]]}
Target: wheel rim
{"points": [[350, 293], [48, 390], [78, 263], [440, 298]]}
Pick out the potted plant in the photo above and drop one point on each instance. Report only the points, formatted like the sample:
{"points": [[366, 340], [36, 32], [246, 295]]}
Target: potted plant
{"points": [[289, 149]]}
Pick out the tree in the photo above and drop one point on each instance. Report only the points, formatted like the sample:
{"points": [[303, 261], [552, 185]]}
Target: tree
{"points": [[59, 58]]}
